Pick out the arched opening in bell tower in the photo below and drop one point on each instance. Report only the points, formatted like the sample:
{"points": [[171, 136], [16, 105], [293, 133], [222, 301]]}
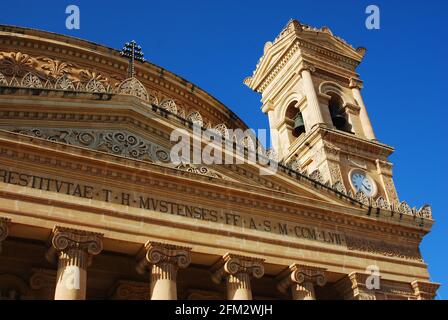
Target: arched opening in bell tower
{"points": [[337, 112], [295, 118]]}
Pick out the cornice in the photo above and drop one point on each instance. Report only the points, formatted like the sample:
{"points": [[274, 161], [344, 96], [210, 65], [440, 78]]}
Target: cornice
{"points": [[296, 45], [248, 197]]}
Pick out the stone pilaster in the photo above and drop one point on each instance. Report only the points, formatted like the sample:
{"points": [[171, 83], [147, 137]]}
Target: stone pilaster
{"points": [[356, 86], [425, 290], [74, 250], [353, 287], [237, 272], [165, 260], [4, 230], [301, 280]]}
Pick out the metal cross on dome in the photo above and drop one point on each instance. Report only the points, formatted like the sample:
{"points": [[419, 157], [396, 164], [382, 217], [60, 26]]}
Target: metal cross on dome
{"points": [[133, 52]]}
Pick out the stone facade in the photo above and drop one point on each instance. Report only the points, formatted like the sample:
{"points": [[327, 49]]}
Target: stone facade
{"points": [[92, 207]]}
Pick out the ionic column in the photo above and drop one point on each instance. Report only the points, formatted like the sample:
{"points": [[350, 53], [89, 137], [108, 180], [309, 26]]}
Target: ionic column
{"points": [[356, 86], [74, 250], [301, 280], [310, 92], [4, 230], [165, 260], [237, 272]]}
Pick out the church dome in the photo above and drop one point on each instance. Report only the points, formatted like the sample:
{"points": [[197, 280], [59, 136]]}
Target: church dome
{"points": [[44, 60]]}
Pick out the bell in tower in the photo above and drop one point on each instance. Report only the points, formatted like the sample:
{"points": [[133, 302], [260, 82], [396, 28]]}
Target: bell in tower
{"points": [[337, 113], [299, 125]]}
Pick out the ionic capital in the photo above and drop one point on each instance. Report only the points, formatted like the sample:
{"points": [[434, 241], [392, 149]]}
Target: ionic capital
{"points": [[299, 274], [232, 265], [159, 254], [4, 229], [356, 83], [75, 244], [306, 66]]}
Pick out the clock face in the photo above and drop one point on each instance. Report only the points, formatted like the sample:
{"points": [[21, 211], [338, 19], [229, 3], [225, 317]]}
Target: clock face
{"points": [[361, 181]]}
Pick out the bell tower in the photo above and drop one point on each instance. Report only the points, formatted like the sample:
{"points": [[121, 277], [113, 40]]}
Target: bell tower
{"points": [[319, 123]]}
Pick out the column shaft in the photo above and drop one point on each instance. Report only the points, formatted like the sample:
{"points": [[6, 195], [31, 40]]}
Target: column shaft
{"points": [[311, 97], [364, 117], [72, 275], [238, 287], [303, 291], [73, 250], [163, 282]]}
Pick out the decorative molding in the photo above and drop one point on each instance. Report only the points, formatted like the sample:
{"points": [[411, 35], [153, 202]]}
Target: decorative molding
{"points": [[199, 170], [383, 248]]}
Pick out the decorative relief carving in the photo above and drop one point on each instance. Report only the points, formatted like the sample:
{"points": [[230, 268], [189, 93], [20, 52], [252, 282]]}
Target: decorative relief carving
{"points": [[339, 186], [425, 212], [4, 230], [196, 118], [64, 83], [382, 203], [272, 155], [317, 176], [133, 87], [30, 69], [199, 170], [362, 197], [112, 141], [335, 171], [234, 264], [169, 105], [131, 290], [43, 279], [404, 208], [383, 248], [222, 130]]}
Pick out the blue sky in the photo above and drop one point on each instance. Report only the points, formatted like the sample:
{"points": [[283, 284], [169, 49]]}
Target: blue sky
{"points": [[217, 44]]}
